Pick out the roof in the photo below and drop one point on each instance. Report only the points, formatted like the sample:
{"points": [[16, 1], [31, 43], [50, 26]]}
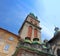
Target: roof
{"points": [[54, 37], [10, 32]]}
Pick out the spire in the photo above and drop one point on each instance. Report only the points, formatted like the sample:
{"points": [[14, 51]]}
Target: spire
{"points": [[56, 30]]}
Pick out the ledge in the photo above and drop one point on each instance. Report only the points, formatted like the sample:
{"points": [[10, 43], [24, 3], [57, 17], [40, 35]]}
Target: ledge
{"points": [[35, 42], [31, 49], [35, 50]]}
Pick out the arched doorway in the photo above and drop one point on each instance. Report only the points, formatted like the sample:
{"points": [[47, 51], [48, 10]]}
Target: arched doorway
{"points": [[58, 52]]}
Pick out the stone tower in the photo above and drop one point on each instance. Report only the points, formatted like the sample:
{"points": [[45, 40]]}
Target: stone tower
{"points": [[30, 28], [30, 42]]}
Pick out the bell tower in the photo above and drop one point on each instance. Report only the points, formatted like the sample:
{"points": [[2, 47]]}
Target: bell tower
{"points": [[30, 28]]}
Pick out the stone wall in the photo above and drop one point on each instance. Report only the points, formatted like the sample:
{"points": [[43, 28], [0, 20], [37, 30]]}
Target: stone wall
{"points": [[55, 45]]}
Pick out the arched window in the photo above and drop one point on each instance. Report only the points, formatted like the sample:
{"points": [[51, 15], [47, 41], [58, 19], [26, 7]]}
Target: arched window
{"points": [[35, 33], [30, 31], [58, 52]]}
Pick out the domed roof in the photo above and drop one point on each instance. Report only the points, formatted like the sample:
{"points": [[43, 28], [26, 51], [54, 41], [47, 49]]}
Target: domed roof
{"points": [[27, 41]]}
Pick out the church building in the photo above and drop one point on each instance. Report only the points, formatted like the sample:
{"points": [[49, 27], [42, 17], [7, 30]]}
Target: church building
{"points": [[30, 43], [27, 42], [55, 42]]}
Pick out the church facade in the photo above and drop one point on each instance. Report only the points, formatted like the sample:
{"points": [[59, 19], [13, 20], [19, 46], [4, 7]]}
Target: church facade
{"points": [[30, 28]]}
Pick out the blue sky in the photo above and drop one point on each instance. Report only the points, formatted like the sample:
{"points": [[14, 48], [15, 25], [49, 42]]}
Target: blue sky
{"points": [[14, 12]]}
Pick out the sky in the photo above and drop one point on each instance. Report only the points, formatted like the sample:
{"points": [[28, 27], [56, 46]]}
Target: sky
{"points": [[14, 12]]}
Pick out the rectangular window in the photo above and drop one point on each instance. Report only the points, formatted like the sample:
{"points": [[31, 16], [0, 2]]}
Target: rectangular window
{"points": [[6, 47], [29, 31]]}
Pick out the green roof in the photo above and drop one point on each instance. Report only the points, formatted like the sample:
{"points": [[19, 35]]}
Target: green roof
{"points": [[36, 42], [27, 41], [44, 47]]}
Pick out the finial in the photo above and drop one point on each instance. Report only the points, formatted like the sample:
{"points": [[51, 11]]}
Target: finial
{"points": [[56, 29], [45, 41], [32, 14]]}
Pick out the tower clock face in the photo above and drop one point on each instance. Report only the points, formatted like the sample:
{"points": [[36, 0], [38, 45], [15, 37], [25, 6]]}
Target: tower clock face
{"points": [[11, 38]]}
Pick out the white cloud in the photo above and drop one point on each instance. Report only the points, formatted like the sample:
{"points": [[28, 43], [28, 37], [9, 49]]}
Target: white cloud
{"points": [[47, 32]]}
